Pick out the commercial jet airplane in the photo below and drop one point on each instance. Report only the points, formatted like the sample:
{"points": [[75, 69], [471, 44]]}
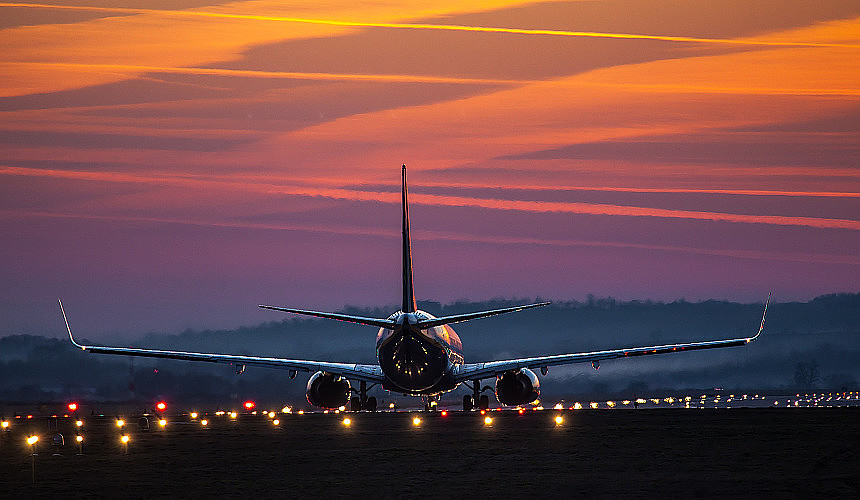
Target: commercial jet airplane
{"points": [[418, 354]]}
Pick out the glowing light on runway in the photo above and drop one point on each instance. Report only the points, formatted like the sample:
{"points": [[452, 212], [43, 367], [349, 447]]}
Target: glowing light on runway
{"points": [[559, 420], [347, 422], [558, 406], [120, 422], [249, 405], [79, 423], [124, 439], [416, 421], [161, 406], [193, 414], [444, 413], [271, 414], [72, 406], [521, 411], [32, 440], [286, 409], [577, 406], [162, 422], [276, 422], [204, 422], [488, 420], [233, 415], [79, 438], [593, 405], [4, 425]]}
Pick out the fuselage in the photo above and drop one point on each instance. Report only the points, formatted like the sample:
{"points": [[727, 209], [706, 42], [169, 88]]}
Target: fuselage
{"points": [[417, 361]]}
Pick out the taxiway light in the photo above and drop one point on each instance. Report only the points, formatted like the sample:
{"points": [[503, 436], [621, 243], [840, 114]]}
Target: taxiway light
{"points": [[124, 439], [161, 406], [79, 438], [79, 423], [233, 414], [72, 406], [204, 422], [249, 405], [416, 421], [193, 414], [271, 414], [559, 420], [32, 439], [120, 422], [162, 422], [4, 424], [276, 422], [488, 420]]}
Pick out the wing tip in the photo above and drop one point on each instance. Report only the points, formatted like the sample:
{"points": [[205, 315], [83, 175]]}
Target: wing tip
{"points": [[68, 328]]}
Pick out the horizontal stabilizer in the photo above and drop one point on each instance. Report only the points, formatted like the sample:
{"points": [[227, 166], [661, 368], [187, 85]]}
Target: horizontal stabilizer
{"points": [[361, 320], [445, 320]]}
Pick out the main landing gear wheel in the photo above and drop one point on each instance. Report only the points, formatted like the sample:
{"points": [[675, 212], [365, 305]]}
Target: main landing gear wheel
{"points": [[484, 402], [467, 403], [355, 403], [371, 404]]}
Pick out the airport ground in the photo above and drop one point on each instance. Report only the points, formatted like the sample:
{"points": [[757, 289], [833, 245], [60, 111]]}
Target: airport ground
{"points": [[650, 452]]}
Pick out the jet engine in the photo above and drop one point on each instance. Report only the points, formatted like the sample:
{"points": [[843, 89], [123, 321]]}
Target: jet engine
{"points": [[517, 387], [327, 390]]}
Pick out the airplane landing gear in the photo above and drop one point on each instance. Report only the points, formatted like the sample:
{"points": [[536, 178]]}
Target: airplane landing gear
{"points": [[362, 402], [481, 401], [430, 403]]}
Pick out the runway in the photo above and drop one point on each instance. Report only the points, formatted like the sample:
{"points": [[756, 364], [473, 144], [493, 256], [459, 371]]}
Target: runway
{"points": [[739, 452]]}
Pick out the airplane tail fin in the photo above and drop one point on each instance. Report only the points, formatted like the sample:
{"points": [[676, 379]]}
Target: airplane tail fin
{"points": [[408, 292]]}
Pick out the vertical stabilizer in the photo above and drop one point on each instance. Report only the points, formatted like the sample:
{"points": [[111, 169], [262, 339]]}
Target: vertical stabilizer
{"points": [[408, 293]]}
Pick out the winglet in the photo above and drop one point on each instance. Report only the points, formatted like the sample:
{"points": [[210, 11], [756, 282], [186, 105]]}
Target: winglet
{"points": [[764, 314], [83, 348]]}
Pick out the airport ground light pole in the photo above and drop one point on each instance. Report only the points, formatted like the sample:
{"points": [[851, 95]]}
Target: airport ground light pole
{"points": [[32, 440]]}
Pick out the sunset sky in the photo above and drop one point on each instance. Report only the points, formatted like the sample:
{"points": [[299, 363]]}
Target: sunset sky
{"points": [[172, 164]]}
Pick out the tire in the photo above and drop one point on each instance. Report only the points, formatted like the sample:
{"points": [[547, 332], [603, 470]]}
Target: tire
{"points": [[355, 404], [371, 403], [467, 403], [484, 402]]}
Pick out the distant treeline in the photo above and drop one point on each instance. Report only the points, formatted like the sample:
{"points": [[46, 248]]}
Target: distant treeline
{"points": [[806, 346]]}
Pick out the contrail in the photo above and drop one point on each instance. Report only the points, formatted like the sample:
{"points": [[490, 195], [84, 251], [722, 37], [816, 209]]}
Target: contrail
{"points": [[449, 236], [439, 27], [441, 200], [294, 75]]}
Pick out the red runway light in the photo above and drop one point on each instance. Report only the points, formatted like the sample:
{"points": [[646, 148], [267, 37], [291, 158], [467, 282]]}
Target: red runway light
{"points": [[73, 406], [249, 405], [444, 413], [161, 406]]}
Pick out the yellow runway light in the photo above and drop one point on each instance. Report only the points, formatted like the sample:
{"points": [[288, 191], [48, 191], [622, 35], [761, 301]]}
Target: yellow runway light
{"points": [[193, 414], [162, 422], [204, 422], [79, 423], [593, 405], [276, 422], [347, 421], [124, 439], [559, 420], [32, 439], [79, 438], [416, 421], [120, 422], [271, 414], [488, 420], [4, 424], [233, 414]]}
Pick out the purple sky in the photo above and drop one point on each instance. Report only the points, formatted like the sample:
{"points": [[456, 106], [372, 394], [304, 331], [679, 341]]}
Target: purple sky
{"points": [[166, 165]]}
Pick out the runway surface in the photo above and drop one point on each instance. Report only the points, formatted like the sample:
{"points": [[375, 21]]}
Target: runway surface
{"points": [[738, 452]]}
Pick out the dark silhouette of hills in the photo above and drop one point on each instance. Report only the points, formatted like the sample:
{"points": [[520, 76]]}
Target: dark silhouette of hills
{"points": [[806, 346]]}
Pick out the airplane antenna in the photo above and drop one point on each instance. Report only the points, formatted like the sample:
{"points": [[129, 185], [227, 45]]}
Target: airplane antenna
{"points": [[408, 293]]}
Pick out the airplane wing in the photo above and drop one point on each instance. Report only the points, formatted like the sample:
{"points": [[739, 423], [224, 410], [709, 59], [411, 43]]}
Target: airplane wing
{"points": [[477, 371], [360, 372]]}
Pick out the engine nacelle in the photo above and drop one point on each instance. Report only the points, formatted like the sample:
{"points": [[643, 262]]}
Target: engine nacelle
{"points": [[327, 390], [517, 387]]}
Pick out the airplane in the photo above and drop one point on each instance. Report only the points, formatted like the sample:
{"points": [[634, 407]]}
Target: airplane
{"points": [[418, 354]]}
